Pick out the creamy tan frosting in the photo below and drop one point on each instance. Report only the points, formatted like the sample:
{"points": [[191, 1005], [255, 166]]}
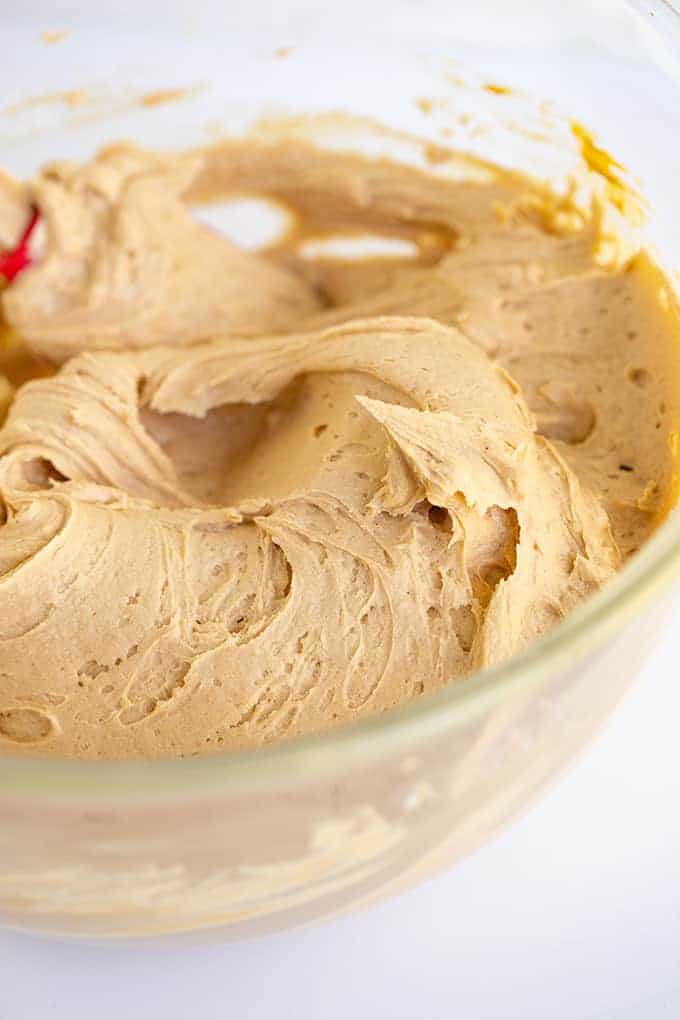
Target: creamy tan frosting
{"points": [[126, 264], [267, 493]]}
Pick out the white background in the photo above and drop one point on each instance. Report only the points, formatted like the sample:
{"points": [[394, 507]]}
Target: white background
{"points": [[573, 914]]}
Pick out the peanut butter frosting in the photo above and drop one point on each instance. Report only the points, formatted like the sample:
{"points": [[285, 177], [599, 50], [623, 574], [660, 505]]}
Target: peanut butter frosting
{"points": [[252, 495]]}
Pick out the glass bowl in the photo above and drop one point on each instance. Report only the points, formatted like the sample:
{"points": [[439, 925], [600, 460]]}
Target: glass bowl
{"points": [[257, 841]]}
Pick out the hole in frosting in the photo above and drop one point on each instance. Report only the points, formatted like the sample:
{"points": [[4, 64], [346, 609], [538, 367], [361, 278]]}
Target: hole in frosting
{"points": [[572, 426], [40, 473], [92, 669], [137, 713], [440, 518], [251, 223], [464, 624], [491, 550], [562, 414], [639, 377], [270, 702], [25, 725]]}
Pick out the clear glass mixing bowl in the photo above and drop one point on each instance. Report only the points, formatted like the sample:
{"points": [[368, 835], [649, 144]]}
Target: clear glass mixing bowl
{"points": [[256, 841]]}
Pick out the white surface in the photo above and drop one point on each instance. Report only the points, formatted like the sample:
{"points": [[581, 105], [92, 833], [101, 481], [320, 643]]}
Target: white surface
{"points": [[573, 914]]}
